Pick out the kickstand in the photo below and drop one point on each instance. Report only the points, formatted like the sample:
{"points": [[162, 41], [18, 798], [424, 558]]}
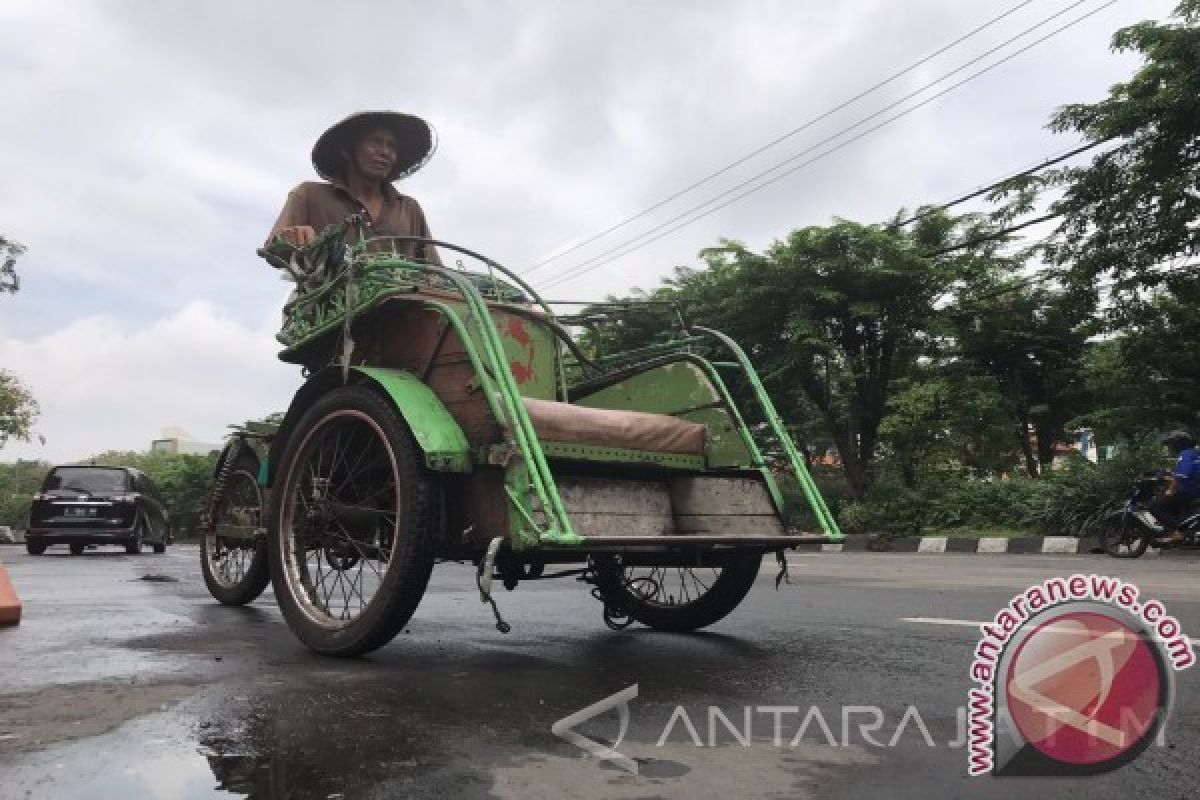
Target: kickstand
{"points": [[483, 579], [783, 576]]}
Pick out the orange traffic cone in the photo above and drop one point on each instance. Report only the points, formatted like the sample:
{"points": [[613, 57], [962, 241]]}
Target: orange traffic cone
{"points": [[10, 606]]}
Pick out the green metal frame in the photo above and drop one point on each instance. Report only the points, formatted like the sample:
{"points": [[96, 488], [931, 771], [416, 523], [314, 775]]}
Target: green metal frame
{"points": [[799, 469], [371, 278], [377, 277]]}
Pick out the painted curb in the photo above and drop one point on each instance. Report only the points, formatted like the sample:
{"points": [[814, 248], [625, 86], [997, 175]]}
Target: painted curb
{"points": [[982, 545]]}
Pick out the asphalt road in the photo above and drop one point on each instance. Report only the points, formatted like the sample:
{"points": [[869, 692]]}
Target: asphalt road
{"points": [[125, 680]]}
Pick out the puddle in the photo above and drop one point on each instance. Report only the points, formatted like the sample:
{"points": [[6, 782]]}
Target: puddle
{"points": [[190, 774], [186, 777]]}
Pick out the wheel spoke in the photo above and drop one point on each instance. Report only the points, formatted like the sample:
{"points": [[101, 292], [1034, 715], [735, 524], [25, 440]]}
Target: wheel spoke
{"points": [[241, 504], [669, 586], [340, 522]]}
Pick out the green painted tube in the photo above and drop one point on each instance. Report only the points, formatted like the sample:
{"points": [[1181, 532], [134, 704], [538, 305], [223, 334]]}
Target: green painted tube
{"points": [[526, 439], [492, 366], [807, 484]]}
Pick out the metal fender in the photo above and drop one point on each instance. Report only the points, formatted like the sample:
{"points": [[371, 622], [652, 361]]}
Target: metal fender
{"points": [[440, 438], [438, 435]]}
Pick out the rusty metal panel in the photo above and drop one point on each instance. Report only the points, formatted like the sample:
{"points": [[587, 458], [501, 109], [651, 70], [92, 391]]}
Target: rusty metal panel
{"points": [[705, 494], [728, 525], [606, 495], [613, 524], [613, 507], [411, 338], [532, 351], [476, 510]]}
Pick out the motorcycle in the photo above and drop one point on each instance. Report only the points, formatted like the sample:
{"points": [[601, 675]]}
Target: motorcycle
{"points": [[1129, 532]]}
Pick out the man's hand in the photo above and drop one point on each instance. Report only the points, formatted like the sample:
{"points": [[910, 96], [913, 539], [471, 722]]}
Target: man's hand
{"points": [[297, 235]]}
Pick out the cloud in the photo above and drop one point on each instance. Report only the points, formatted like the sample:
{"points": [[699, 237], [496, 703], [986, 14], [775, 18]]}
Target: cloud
{"points": [[145, 147], [103, 385]]}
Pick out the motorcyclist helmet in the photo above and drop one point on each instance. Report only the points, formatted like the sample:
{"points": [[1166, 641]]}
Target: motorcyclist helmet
{"points": [[1178, 441]]}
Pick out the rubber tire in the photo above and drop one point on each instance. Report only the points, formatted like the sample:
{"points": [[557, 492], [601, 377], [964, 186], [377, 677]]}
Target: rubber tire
{"points": [[408, 573], [258, 574], [134, 547], [160, 548], [1113, 534], [35, 549], [727, 592], [77, 549]]}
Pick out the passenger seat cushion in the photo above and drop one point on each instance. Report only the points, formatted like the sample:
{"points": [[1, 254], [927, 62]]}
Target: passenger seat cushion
{"points": [[603, 427]]}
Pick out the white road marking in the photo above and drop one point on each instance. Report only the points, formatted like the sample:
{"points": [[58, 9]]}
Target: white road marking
{"points": [[968, 623]]}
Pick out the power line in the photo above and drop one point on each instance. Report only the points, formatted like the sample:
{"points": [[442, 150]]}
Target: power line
{"points": [[636, 242], [997, 184], [828, 139], [993, 235], [777, 140], [1048, 275]]}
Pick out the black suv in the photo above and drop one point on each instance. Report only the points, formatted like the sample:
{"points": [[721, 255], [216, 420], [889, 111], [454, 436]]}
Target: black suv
{"points": [[83, 505]]}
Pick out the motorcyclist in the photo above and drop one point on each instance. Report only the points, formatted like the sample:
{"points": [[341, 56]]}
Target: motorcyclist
{"points": [[1184, 486]]}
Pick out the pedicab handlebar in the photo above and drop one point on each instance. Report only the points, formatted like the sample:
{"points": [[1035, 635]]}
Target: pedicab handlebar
{"points": [[329, 254]]}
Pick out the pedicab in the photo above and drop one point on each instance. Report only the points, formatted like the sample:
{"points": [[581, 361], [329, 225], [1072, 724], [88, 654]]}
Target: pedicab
{"points": [[450, 414]]}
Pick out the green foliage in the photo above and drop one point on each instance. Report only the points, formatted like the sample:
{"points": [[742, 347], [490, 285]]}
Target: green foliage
{"points": [[832, 316], [18, 409], [798, 514], [10, 251], [1136, 206], [1032, 343], [18, 482], [946, 420], [1070, 501], [1148, 372]]}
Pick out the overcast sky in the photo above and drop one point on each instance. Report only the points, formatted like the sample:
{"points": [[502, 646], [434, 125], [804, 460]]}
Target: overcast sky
{"points": [[146, 148]]}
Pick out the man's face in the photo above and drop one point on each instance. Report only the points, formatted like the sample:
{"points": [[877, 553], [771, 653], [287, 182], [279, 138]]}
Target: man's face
{"points": [[374, 154]]}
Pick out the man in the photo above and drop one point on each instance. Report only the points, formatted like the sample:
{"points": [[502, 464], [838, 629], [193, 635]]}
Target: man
{"points": [[359, 158], [1184, 487]]}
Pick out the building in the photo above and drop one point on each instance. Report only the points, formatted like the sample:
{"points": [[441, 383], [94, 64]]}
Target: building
{"points": [[180, 442]]}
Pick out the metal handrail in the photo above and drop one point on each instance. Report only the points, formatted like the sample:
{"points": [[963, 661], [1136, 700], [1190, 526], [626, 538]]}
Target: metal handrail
{"points": [[803, 477]]}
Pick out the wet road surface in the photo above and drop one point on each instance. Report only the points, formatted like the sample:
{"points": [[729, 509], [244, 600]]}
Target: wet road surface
{"points": [[125, 680]]}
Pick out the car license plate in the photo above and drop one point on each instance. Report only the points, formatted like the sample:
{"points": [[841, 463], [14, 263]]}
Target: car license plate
{"points": [[79, 512]]}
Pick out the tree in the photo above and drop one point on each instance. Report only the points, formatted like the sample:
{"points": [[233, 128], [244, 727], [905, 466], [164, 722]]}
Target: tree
{"points": [[1146, 374], [831, 316], [945, 420], [10, 251], [18, 482], [1136, 205], [1032, 342], [18, 409]]}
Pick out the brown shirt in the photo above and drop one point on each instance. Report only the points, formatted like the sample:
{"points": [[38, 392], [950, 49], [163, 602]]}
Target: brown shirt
{"points": [[321, 204]]}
